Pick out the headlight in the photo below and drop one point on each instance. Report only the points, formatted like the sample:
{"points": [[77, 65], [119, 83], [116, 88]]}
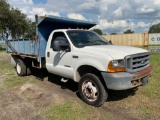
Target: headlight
{"points": [[115, 63], [116, 66]]}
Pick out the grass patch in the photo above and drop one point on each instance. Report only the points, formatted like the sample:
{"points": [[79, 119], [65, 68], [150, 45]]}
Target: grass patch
{"points": [[145, 111], [3, 47], [145, 103], [148, 112], [8, 74], [73, 110], [14, 81], [153, 88], [6, 67]]}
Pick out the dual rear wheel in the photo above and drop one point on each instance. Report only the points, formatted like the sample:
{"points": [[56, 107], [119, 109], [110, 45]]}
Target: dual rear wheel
{"points": [[22, 68]]}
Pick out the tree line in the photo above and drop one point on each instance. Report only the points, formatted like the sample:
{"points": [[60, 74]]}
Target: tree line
{"points": [[13, 21], [153, 29]]}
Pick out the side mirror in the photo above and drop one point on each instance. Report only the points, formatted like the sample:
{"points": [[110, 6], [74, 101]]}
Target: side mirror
{"points": [[61, 44], [64, 45], [55, 46]]}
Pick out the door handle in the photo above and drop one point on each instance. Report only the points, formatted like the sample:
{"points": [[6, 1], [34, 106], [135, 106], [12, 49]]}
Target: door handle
{"points": [[48, 54]]}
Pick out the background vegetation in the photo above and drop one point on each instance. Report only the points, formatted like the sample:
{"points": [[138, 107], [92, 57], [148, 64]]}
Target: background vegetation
{"points": [[155, 28], [13, 21]]}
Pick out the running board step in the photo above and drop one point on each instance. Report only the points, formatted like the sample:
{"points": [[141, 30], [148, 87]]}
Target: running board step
{"points": [[64, 80]]}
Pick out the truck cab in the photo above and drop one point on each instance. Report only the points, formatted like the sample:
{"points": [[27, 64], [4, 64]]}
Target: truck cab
{"points": [[76, 54]]}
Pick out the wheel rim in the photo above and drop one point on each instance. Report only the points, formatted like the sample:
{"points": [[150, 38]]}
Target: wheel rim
{"points": [[90, 91], [18, 68]]}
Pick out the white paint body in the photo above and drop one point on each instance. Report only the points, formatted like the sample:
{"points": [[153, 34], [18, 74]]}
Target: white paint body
{"points": [[97, 56]]}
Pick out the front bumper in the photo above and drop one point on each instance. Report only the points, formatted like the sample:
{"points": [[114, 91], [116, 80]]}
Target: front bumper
{"points": [[124, 80]]}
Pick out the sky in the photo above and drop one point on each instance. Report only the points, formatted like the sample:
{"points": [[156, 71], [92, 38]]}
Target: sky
{"points": [[111, 16]]}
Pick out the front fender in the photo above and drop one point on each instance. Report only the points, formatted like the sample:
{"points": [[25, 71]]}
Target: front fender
{"points": [[101, 65]]}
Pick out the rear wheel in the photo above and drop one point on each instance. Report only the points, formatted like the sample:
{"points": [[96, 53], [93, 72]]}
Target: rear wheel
{"points": [[29, 67], [92, 90], [21, 68]]}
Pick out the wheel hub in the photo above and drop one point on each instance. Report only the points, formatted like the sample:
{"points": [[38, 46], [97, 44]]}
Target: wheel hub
{"points": [[18, 68], [90, 91]]}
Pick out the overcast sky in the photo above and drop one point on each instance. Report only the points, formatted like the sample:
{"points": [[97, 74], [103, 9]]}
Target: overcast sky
{"points": [[112, 16]]}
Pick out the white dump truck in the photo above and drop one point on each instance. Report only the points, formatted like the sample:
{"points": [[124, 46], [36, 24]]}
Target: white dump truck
{"points": [[80, 55]]}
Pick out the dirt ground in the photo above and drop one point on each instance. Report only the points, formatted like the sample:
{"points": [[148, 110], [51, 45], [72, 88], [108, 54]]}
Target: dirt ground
{"points": [[28, 101]]}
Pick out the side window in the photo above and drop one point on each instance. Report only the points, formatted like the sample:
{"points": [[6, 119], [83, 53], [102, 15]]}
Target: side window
{"points": [[57, 37]]}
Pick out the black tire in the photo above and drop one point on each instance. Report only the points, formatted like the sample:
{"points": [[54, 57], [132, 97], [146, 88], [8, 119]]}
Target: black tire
{"points": [[91, 90], [21, 68], [29, 67]]}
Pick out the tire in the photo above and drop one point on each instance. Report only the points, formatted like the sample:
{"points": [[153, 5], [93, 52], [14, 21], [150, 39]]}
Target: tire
{"points": [[91, 90], [21, 67], [29, 68]]}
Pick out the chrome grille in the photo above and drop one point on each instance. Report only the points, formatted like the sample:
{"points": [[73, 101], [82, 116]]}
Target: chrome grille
{"points": [[137, 62]]}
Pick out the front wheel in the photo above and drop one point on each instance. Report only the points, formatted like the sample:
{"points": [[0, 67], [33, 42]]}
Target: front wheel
{"points": [[92, 90]]}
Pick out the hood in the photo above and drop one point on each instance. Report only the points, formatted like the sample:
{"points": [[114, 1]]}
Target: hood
{"points": [[115, 51]]}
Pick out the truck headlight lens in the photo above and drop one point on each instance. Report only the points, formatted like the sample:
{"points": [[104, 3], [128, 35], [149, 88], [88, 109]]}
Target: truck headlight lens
{"points": [[115, 63], [116, 66]]}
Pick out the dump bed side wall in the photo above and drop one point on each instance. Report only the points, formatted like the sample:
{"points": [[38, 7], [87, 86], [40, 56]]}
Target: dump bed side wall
{"points": [[24, 46]]}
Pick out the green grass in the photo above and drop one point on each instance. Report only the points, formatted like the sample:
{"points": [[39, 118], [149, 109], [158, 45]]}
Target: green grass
{"points": [[7, 69], [151, 107], [3, 47], [149, 112], [14, 81], [153, 89], [9, 76], [146, 102], [73, 110]]}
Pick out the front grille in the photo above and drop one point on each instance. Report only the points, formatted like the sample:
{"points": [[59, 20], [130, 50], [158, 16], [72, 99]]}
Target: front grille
{"points": [[137, 62]]}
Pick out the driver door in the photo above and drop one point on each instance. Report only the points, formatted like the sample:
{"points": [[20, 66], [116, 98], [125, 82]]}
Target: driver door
{"points": [[59, 61]]}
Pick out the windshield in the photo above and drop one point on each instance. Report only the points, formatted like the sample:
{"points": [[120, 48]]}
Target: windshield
{"points": [[81, 38]]}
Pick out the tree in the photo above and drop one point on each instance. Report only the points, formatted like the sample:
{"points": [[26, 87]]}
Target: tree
{"points": [[13, 19], [19, 23], [128, 31], [4, 14], [31, 31], [154, 28], [99, 31]]}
